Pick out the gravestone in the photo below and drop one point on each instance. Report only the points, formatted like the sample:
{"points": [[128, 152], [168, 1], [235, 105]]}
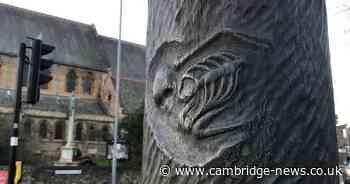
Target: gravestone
{"points": [[238, 83]]}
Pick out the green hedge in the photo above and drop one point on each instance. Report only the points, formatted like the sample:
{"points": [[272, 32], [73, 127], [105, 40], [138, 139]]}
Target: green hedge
{"points": [[131, 130]]}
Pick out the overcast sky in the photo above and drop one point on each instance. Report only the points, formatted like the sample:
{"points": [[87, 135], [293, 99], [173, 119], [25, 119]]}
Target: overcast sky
{"points": [[104, 15], [339, 38]]}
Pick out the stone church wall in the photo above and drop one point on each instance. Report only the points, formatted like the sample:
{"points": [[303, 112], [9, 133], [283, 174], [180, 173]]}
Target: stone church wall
{"points": [[8, 68], [33, 147], [48, 148]]}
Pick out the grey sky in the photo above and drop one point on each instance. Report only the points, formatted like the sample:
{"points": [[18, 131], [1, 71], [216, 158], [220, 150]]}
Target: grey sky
{"points": [[104, 15], [339, 39]]}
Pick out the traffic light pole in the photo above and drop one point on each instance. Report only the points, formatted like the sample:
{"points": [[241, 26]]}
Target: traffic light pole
{"points": [[37, 76], [17, 113]]}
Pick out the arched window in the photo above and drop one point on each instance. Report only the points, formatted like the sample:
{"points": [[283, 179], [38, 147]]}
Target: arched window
{"points": [[28, 127], [92, 133], [78, 130], [71, 80], [87, 83], [43, 129], [59, 129]]}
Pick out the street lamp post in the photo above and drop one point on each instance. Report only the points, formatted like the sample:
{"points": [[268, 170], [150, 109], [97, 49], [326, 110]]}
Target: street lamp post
{"points": [[116, 115]]}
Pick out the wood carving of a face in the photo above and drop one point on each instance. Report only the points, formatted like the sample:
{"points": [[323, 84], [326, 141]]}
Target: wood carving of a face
{"points": [[193, 94]]}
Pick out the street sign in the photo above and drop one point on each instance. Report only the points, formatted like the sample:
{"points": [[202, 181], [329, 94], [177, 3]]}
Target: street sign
{"points": [[121, 151], [68, 172]]}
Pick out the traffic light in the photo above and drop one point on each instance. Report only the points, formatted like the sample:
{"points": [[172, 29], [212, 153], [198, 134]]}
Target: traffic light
{"points": [[39, 73]]}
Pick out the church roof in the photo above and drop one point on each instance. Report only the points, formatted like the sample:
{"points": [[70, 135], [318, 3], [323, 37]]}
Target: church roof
{"points": [[132, 72], [133, 58], [76, 43]]}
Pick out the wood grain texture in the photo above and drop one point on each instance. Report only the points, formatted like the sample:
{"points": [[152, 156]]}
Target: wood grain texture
{"points": [[237, 83]]}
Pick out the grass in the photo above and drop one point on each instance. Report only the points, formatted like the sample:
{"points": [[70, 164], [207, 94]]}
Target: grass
{"points": [[103, 163]]}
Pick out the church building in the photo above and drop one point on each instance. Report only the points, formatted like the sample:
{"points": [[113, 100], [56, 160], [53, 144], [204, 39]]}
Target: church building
{"points": [[88, 66]]}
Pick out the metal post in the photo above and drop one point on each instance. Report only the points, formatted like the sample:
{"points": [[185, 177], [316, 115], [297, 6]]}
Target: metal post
{"points": [[17, 111], [347, 142], [116, 115]]}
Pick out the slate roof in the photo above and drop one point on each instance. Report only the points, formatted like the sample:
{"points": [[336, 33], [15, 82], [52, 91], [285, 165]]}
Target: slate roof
{"points": [[132, 72], [76, 43], [132, 60], [53, 104]]}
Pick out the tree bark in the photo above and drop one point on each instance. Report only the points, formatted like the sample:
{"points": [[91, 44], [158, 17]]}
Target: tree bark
{"points": [[238, 83]]}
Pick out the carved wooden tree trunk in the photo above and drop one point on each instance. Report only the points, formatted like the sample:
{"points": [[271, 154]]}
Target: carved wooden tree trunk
{"points": [[238, 83]]}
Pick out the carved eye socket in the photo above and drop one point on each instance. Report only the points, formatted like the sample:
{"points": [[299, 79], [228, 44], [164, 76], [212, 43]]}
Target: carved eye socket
{"points": [[160, 98], [187, 89], [163, 87]]}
